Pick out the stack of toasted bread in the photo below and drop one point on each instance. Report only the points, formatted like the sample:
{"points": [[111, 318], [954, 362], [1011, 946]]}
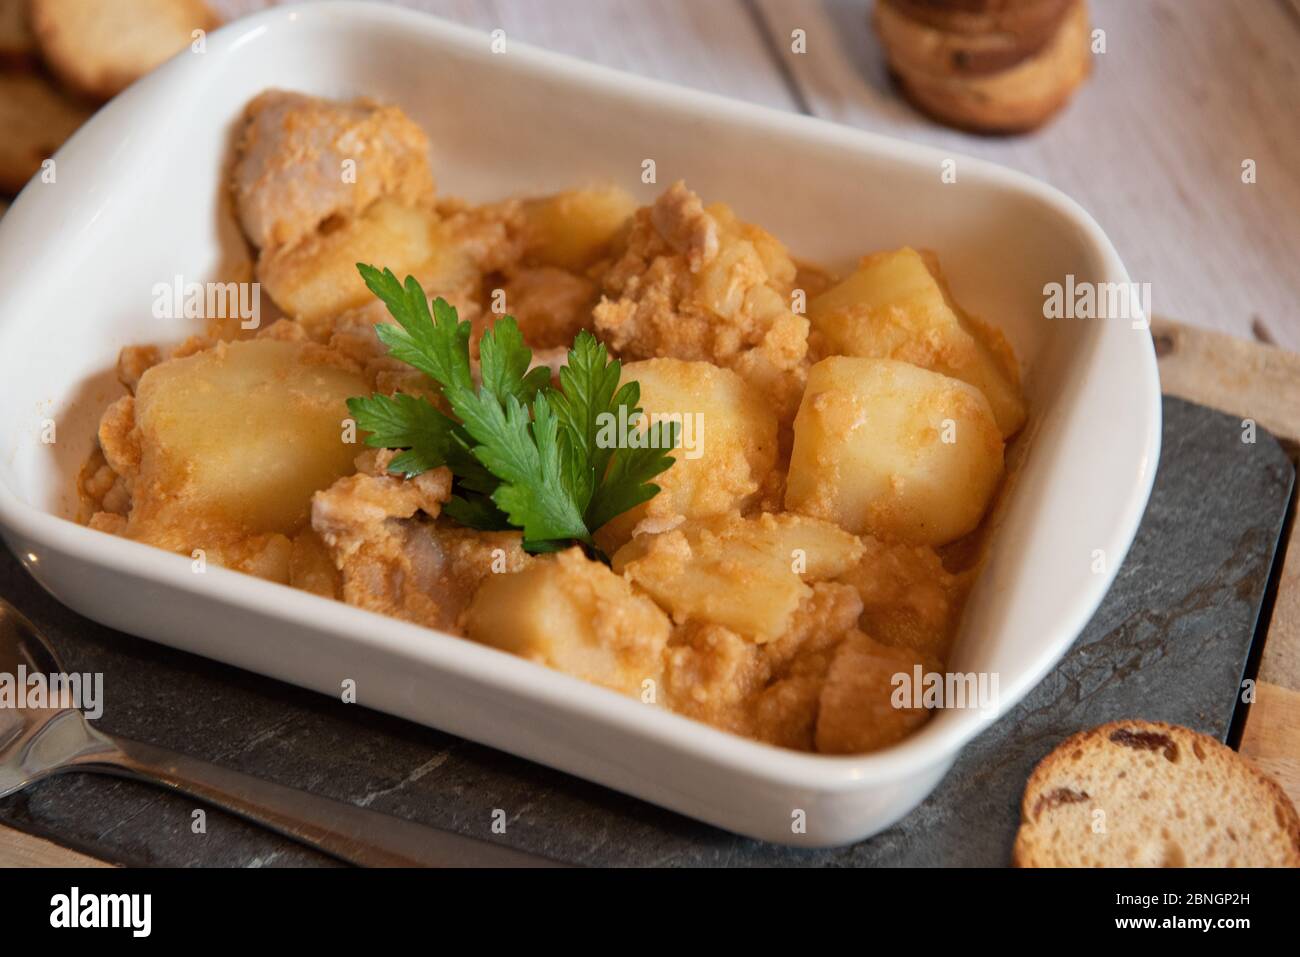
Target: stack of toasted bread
{"points": [[61, 58], [993, 66]]}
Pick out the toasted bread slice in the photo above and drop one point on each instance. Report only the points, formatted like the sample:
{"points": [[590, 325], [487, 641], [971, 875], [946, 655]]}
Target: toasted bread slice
{"points": [[17, 43], [1023, 19], [1009, 101], [983, 7], [35, 119], [303, 160], [98, 49], [927, 48], [1146, 793]]}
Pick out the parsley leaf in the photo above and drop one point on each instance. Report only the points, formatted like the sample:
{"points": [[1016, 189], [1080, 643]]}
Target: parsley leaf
{"points": [[526, 455], [551, 462], [587, 390], [475, 510], [627, 483], [437, 345], [503, 364], [406, 422], [429, 437], [590, 401]]}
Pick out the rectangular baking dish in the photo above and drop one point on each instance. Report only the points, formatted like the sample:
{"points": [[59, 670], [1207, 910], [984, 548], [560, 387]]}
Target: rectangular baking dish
{"points": [[138, 199]]}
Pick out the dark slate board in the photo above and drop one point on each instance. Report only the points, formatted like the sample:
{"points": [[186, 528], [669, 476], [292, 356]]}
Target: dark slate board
{"points": [[1170, 642]]}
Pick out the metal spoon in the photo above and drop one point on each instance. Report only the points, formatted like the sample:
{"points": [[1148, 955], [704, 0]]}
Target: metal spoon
{"points": [[38, 742]]}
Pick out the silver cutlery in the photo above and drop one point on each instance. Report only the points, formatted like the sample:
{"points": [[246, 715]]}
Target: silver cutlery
{"points": [[36, 742]]}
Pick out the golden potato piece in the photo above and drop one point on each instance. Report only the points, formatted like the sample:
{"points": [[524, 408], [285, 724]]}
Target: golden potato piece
{"points": [[857, 712], [574, 615], [317, 279], [895, 306], [234, 440], [745, 574], [571, 230], [728, 444], [99, 48], [302, 160], [893, 450]]}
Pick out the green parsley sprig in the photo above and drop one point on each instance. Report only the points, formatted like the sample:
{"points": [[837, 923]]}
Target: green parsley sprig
{"points": [[522, 454]]}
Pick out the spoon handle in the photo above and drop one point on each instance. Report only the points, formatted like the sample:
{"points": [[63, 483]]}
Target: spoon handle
{"points": [[351, 833]]}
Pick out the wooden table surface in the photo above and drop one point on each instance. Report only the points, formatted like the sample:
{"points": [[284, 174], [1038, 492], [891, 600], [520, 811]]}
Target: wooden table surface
{"points": [[1153, 147]]}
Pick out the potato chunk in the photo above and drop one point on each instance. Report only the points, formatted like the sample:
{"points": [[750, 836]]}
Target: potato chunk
{"points": [[234, 440], [856, 713], [574, 615], [572, 229], [895, 306], [745, 574], [728, 445], [317, 279], [894, 450]]}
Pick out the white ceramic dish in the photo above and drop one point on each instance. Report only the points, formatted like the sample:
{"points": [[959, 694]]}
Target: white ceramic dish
{"points": [[136, 201]]}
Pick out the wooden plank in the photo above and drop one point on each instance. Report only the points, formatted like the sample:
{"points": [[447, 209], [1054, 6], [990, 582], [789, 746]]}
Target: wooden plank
{"points": [[26, 850], [1280, 662], [1235, 375], [1260, 382], [717, 45], [1152, 146], [1253, 381], [1272, 736]]}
